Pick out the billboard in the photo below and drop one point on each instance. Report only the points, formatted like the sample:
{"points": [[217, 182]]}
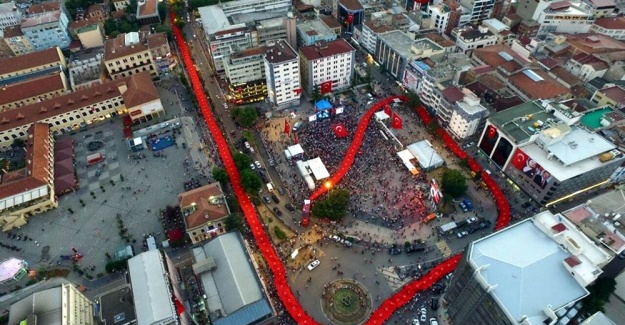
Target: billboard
{"points": [[435, 192], [487, 143], [531, 169]]}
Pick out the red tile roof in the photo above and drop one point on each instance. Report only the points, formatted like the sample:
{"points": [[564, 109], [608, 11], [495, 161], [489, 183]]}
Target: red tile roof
{"points": [[330, 21], [453, 94], [30, 60], [44, 7], [141, 90], [378, 27], [544, 89], [156, 40], [31, 88], [615, 93], [594, 43], [205, 210], [116, 48], [490, 55], [149, 8], [13, 31], [353, 5], [327, 49], [565, 76], [611, 22]]}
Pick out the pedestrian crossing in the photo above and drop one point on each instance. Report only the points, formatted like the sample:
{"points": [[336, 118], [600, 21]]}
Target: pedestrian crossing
{"points": [[444, 248], [394, 281]]}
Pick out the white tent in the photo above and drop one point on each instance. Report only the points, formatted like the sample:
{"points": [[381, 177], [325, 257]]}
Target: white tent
{"points": [[426, 155], [381, 116], [318, 169], [406, 158], [295, 150]]}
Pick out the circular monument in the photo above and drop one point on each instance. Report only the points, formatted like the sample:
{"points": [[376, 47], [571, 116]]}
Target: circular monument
{"points": [[346, 302]]}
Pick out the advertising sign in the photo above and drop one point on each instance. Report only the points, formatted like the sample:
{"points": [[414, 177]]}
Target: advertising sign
{"points": [[531, 169]]}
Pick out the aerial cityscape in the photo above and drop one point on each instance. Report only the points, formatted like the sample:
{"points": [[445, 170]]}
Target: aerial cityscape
{"points": [[171, 162]]}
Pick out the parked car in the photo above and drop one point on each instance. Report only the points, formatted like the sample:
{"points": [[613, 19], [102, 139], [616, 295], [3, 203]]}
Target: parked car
{"points": [[462, 234], [252, 166], [414, 248], [247, 145], [281, 190], [275, 198], [277, 211], [434, 305], [471, 220], [271, 162], [290, 207], [313, 265], [257, 163], [267, 199]]}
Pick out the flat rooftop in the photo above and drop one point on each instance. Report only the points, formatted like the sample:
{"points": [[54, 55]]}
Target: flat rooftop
{"points": [[512, 123], [118, 306], [399, 41], [213, 19], [280, 52], [315, 27], [525, 279], [427, 44]]}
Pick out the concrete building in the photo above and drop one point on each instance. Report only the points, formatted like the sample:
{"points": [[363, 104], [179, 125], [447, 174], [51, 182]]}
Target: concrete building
{"points": [[232, 8], [159, 51], [234, 293], [312, 31], [128, 54], [395, 49], [332, 61], [45, 26], [18, 68], [369, 34], [461, 112], [563, 17], [86, 69], [204, 210], [353, 9], [155, 290], [445, 16], [30, 190], [271, 30], [500, 30], [60, 305], [245, 74], [135, 95], [147, 12], [610, 26], [479, 9], [549, 150], [33, 90], [586, 66], [469, 38], [283, 77], [500, 282], [9, 15], [91, 35], [612, 96], [15, 41]]}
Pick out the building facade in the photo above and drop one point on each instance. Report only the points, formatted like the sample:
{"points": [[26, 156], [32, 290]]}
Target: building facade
{"points": [[9, 15], [205, 210], [128, 54], [464, 112], [283, 77], [370, 32], [159, 51], [479, 9], [395, 49], [47, 29], [327, 62], [312, 31], [15, 41], [245, 74], [17, 68], [33, 90], [610, 26], [468, 38]]}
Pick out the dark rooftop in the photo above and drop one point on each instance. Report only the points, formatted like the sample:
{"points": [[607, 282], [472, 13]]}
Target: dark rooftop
{"points": [[279, 52]]}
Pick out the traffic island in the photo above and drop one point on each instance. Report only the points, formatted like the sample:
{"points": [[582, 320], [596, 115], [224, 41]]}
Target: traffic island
{"points": [[346, 302]]}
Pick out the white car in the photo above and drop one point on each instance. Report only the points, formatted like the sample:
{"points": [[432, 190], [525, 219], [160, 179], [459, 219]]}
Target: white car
{"points": [[424, 318], [257, 163], [472, 220], [247, 145], [462, 234], [313, 265], [252, 166], [415, 321]]}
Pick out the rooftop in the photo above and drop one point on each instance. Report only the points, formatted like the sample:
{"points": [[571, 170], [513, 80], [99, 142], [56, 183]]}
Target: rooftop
{"points": [[514, 123], [117, 302], [248, 52], [353, 5], [12, 31], [156, 40], [497, 55], [399, 41], [46, 304], [280, 52], [43, 8], [611, 22], [594, 43], [313, 27], [378, 27], [213, 19], [330, 21], [326, 49], [31, 88], [10, 267], [46, 18], [19, 63], [147, 8], [537, 84], [495, 24], [203, 204], [150, 288], [526, 279], [615, 93], [567, 77], [124, 45]]}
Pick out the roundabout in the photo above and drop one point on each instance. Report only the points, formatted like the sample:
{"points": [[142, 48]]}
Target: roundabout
{"points": [[346, 302]]}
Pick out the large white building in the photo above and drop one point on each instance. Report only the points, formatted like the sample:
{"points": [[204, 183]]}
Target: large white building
{"points": [[462, 112], [572, 17], [479, 9], [47, 27], [370, 32], [469, 38], [327, 62], [282, 73]]}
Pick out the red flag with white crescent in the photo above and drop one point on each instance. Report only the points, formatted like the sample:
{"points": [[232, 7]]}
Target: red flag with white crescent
{"points": [[295, 138], [326, 87], [397, 122], [287, 127], [339, 130]]}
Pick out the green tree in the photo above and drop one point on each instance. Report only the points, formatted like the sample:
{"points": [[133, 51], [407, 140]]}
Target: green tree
{"points": [[234, 222], [413, 99], [250, 181], [242, 161], [19, 143], [131, 8], [280, 234], [600, 293], [316, 94], [453, 183], [164, 29], [333, 207], [246, 116], [220, 175]]}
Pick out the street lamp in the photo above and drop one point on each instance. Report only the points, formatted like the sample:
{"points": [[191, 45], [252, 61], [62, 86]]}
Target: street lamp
{"points": [[328, 185]]}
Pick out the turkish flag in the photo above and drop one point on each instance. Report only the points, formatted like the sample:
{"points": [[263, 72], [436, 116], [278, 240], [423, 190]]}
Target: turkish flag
{"points": [[297, 91], [287, 127], [397, 122], [387, 110], [492, 131], [339, 130], [519, 159], [350, 18], [179, 306], [326, 87]]}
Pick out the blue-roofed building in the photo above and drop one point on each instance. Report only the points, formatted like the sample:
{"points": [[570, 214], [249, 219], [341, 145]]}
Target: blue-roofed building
{"points": [[323, 105], [233, 291]]}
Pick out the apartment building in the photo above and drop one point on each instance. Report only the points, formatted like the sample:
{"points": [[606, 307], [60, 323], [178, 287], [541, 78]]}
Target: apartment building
{"points": [[396, 49], [312, 31], [479, 9], [89, 32], [45, 26], [563, 17], [469, 38], [270, 30], [160, 52], [128, 54], [369, 34], [63, 304], [205, 210], [612, 96], [232, 8], [17, 68], [500, 30], [30, 190], [283, 75], [586, 66], [9, 15], [135, 95], [245, 74], [610, 26], [461, 111], [327, 62], [33, 90], [14, 42]]}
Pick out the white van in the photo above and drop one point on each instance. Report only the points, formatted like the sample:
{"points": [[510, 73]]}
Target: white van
{"points": [[269, 187], [297, 125]]}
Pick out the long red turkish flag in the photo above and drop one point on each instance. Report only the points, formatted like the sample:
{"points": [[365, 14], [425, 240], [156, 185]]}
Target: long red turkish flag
{"points": [[397, 122]]}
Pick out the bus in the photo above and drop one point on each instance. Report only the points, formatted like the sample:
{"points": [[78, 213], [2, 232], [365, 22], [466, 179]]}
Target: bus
{"points": [[430, 218]]}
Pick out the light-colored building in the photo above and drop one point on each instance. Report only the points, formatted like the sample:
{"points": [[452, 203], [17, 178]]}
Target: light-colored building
{"points": [[327, 62], [47, 27], [128, 54], [204, 211], [121, 4], [396, 49], [612, 96], [610, 26], [135, 94], [369, 34], [9, 15], [17, 68], [12, 270], [60, 305], [29, 191], [462, 111], [271, 30], [586, 66], [469, 38], [563, 17], [16, 43], [147, 12], [159, 50], [33, 90], [479, 9], [90, 35], [245, 74], [232, 8], [283, 77], [312, 31], [501, 282], [86, 69], [500, 30]]}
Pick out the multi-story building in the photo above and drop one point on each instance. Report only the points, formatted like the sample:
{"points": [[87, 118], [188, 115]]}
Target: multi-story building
{"points": [[128, 54], [232, 8], [204, 210], [350, 10], [156, 289], [500, 30], [610, 26], [63, 304], [312, 31], [270, 30], [282, 72], [327, 62], [29, 190], [586, 66], [245, 74], [15, 41], [442, 16], [480, 9], [369, 34], [501, 282], [461, 112], [45, 26], [612, 96], [332, 23], [89, 32], [96, 12], [563, 17], [396, 49], [135, 95], [159, 50], [469, 38], [9, 15], [33, 90], [549, 151], [147, 12], [18, 68]]}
